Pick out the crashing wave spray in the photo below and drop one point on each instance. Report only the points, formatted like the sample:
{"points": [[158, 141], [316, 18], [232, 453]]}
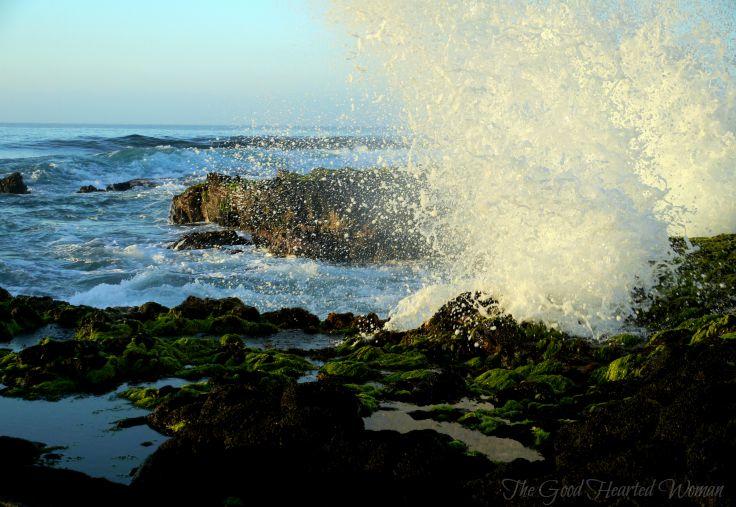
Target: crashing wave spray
{"points": [[559, 140]]}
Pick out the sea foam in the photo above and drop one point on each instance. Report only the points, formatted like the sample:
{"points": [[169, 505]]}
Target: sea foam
{"points": [[561, 143]]}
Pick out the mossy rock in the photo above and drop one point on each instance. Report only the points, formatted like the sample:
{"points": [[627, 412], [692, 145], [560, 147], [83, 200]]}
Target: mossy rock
{"points": [[354, 371]]}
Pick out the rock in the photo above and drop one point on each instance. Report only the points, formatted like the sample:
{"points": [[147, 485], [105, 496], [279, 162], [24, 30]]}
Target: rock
{"points": [[24, 482], [13, 184], [341, 215], [293, 318], [338, 321], [209, 239], [127, 185], [130, 422], [311, 433], [87, 189], [5, 295]]}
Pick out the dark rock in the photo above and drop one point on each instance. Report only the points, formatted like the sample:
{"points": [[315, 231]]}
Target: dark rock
{"points": [[130, 422], [127, 185], [5, 295], [24, 482], [197, 308], [311, 433], [148, 311], [13, 184], [338, 321], [341, 215], [293, 318], [16, 452], [88, 189], [209, 239]]}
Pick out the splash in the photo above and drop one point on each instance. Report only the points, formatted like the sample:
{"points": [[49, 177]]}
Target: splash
{"points": [[561, 142]]}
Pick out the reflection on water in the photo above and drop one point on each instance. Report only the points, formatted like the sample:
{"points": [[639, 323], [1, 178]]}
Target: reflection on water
{"points": [[28, 339], [395, 416], [85, 426]]}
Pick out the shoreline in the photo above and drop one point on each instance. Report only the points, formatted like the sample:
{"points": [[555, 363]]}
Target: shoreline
{"points": [[373, 402]]}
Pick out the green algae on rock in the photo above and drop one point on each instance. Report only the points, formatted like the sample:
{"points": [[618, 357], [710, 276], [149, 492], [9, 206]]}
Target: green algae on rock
{"points": [[342, 215]]}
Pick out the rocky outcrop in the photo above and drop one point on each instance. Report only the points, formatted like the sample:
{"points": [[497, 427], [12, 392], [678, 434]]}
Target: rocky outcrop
{"points": [[118, 187], [13, 184], [209, 239], [340, 215]]}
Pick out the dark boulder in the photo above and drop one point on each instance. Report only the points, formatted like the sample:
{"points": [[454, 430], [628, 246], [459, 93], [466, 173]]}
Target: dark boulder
{"points": [[13, 184], [209, 239], [313, 435], [5, 295], [293, 318], [88, 189], [127, 185]]}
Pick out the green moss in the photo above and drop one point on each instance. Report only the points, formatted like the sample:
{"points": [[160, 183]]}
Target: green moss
{"points": [[142, 397], [408, 376], [558, 383], [278, 363], [52, 389], [459, 445], [715, 328], [171, 324], [510, 410], [410, 360], [483, 421], [540, 436], [623, 368], [355, 371], [498, 379], [105, 375], [368, 395]]}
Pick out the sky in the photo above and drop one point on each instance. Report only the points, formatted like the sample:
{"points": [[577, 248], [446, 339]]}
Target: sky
{"points": [[214, 62]]}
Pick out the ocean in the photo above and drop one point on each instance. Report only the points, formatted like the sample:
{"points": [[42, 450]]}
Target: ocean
{"points": [[110, 248]]}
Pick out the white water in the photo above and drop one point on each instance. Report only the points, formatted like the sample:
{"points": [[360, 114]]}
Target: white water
{"points": [[561, 141]]}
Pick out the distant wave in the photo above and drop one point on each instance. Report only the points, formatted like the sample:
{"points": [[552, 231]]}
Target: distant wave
{"points": [[95, 143]]}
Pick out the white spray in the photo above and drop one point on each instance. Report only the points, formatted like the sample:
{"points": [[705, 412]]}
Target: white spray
{"points": [[561, 143]]}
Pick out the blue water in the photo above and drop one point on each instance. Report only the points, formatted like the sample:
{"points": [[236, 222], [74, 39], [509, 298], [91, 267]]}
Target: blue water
{"points": [[109, 249]]}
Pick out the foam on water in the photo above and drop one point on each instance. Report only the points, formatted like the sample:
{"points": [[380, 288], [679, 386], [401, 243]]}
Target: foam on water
{"points": [[561, 143]]}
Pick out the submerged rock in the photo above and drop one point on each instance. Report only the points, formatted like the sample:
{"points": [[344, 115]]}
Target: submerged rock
{"points": [[13, 184], [209, 239], [127, 185], [341, 215], [88, 189]]}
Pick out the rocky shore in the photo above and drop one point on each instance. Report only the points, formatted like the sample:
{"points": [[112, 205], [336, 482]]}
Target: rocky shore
{"points": [[340, 215], [256, 425]]}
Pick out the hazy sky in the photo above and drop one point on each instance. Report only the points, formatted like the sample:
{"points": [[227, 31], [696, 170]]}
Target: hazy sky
{"points": [[172, 61]]}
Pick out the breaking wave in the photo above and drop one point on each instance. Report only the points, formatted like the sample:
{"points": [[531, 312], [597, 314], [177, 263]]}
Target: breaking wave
{"points": [[562, 143]]}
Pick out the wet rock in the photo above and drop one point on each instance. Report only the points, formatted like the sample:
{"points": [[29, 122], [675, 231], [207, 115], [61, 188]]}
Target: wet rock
{"points": [[130, 184], [88, 189], [13, 184], [130, 422], [209, 239], [197, 308], [148, 311], [338, 321], [338, 215], [311, 433], [293, 318]]}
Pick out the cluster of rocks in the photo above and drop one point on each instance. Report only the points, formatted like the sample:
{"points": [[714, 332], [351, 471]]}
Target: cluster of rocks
{"points": [[650, 407], [340, 215], [118, 187]]}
